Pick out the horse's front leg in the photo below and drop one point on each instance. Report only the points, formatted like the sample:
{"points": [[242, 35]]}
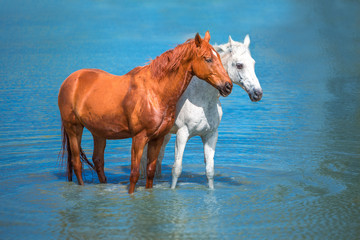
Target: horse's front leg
{"points": [[182, 137], [138, 143], [144, 161], [209, 142], [154, 147]]}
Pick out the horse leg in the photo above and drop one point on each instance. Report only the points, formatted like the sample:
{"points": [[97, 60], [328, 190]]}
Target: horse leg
{"points": [[182, 137], [74, 132], [144, 159], [209, 142], [137, 148], [98, 157], [154, 147], [161, 155]]}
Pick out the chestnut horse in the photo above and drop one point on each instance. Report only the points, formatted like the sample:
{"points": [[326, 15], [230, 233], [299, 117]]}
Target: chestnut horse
{"points": [[140, 104]]}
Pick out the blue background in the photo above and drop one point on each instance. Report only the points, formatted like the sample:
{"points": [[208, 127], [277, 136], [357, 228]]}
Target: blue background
{"points": [[286, 167]]}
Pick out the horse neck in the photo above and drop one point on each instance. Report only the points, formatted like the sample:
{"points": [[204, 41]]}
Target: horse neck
{"points": [[202, 91], [174, 83], [172, 71]]}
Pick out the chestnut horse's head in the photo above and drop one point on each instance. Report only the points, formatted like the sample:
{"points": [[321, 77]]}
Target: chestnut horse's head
{"points": [[207, 65]]}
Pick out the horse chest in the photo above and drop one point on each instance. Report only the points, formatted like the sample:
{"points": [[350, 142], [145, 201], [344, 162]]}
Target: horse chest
{"points": [[199, 119], [157, 117]]}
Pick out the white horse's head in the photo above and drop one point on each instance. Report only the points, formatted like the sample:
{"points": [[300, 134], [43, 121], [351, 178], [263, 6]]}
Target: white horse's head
{"points": [[240, 66]]}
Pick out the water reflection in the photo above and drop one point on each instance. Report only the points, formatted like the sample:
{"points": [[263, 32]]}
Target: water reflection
{"points": [[109, 209]]}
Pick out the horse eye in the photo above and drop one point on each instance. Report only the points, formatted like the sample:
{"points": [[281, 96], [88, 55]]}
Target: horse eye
{"points": [[209, 60], [239, 66]]}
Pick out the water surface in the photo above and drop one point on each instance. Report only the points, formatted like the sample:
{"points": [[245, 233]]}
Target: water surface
{"points": [[286, 167]]}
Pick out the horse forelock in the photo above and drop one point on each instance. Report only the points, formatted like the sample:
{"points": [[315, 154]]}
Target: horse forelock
{"points": [[237, 48], [170, 60]]}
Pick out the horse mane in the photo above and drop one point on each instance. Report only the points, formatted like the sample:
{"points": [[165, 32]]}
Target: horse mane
{"points": [[226, 51], [170, 60]]}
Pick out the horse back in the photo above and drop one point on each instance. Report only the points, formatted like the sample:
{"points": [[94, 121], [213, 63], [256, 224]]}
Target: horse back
{"points": [[94, 98]]}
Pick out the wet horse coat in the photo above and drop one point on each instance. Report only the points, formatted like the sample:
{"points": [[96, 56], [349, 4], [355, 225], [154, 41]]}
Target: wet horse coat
{"points": [[140, 104]]}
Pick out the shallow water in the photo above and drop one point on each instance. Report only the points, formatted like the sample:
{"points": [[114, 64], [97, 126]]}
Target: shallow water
{"points": [[286, 167]]}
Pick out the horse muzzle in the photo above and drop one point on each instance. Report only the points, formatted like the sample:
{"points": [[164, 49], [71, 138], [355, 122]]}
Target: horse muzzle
{"points": [[256, 95], [225, 90]]}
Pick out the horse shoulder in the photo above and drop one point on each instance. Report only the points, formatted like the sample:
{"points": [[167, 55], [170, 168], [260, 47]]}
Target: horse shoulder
{"points": [[144, 106]]}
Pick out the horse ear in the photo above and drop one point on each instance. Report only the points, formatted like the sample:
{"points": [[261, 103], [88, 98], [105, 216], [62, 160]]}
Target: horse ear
{"points": [[218, 49], [230, 41], [247, 40], [198, 40], [207, 36]]}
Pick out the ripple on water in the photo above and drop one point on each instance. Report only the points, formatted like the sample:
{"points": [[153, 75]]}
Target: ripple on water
{"points": [[286, 167]]}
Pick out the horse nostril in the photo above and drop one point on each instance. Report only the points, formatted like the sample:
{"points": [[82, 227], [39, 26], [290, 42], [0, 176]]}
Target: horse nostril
{"points": [[228, 86], [225, 90], [258, 94]]}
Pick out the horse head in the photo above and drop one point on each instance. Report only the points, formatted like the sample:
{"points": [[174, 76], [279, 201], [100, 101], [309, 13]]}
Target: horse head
{"points": [[241, 66], [207, 65]]}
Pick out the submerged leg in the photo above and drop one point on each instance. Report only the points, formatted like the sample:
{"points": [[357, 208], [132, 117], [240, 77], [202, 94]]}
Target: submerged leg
{"points": [[161, 155], [209, 142], [74, 131], [137, 148], [154, 147], [182, 137], [98, 157]]}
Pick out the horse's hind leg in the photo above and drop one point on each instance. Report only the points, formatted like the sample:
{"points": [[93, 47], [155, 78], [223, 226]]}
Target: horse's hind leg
{"points": [[209, 142], [98, 157], [154, 147], [74, 131]]}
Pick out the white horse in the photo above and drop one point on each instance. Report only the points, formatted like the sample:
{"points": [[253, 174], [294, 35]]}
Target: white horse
{"points": [[199, 112]]}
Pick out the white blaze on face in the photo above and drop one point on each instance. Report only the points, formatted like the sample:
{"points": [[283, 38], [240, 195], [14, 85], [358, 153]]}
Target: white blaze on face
{"points": [[213, 51]]}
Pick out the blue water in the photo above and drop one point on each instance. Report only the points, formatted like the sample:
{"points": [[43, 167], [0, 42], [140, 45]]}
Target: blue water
{"points": [[287, 167]]}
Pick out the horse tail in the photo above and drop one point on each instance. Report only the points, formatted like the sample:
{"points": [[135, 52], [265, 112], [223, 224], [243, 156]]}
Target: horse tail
{"points": [[66, 148], [84, 159]]}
